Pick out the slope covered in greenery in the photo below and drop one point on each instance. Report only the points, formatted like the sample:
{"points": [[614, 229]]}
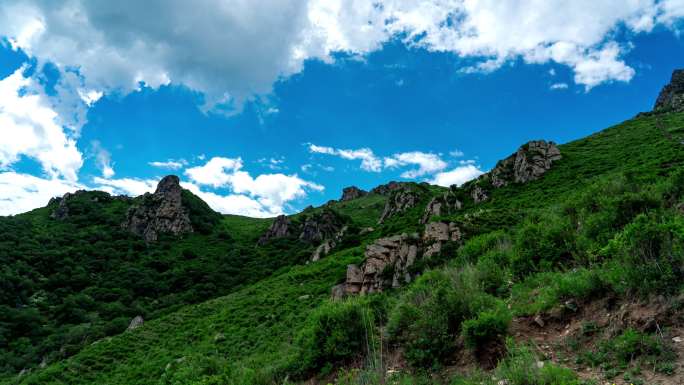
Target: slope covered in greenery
{"points": [[604, 222]]}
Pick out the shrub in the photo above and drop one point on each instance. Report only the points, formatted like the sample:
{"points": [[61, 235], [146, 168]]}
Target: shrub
{"points": [[428, 316], [496, 244], [522, 367], [487, 327], [542, 245], [648, 255], [334, 333]]}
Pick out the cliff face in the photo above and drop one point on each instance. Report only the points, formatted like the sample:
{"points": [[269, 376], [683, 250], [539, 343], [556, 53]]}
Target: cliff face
{"points": [[671, 97], [161, 212]]}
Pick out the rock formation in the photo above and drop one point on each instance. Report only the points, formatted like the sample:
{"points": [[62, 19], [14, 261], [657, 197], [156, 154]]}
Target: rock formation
{"points": [[400, 200], [62, 211], [478, 194], [352, 192], [388, 188], [437, 234], [320, 226], [445, 204], [161, 212], [312, 228], [135, 323], [280, 228], [387, 262], [530, 162], [327, 245], [671, 97]]}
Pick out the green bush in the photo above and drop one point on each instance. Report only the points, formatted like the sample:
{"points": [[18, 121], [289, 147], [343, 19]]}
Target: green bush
{"points": [[522, 367], [487, 327], [428, 317], [334, 333], [497, 244], [542, 245], [648, 255]]}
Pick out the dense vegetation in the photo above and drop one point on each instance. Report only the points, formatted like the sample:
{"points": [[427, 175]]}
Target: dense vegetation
{"points": [[606, 221]]}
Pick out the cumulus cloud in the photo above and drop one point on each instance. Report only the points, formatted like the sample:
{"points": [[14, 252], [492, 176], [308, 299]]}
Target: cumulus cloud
{"points": [[457, 176], [559, 86], [125, 186], [22, 192], [271, 191], [229, 53], [369, 162], [32, 128], [170, 164], [427, 163], [103, 158]]}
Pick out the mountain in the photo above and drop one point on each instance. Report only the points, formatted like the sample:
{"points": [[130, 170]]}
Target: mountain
{"points": [[562, 265]]}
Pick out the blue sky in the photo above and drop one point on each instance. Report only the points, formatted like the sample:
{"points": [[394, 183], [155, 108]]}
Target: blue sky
{"points": [[258, 123]]}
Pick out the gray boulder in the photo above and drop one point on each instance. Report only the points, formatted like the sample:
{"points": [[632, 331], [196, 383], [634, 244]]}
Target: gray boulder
{"points": [[136, 322]]}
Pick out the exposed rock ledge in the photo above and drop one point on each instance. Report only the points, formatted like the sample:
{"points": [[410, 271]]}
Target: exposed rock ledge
{"points": [[671, 98], [351, 193], [161, 212], [388, 261]]}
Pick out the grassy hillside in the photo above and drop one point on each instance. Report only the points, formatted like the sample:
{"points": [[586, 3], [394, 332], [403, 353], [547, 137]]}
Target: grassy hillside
{"points": [[604, 224]]}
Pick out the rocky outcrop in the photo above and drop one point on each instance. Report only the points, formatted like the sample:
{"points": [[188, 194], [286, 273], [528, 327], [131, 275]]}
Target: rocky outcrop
{"points": [[352, 192], [401, 199], [437, 234], [313, 228], [280, 228], [671, 98], [62, 211], [386, 265], [388, 188], [478, 194], [530, 162], [320, 226], [161, 212], [445, 204], [328, 245], [135, 323]]}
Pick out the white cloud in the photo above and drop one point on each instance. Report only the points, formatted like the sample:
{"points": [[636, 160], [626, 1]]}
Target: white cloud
{"points": [[559, 86], [233, 203], [456, 153], [427, 163], [170, 164], [457, 176], [228, 51], [272, 191], [369, 162], [31, 127], [217, 172], [125, 186], [22, 192], [103, 158]]}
